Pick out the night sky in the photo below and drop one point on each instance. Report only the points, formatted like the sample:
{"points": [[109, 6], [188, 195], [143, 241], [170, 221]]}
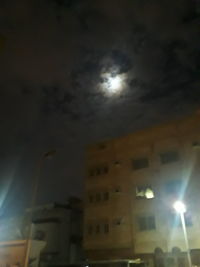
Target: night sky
{"points": [[53, 54]]}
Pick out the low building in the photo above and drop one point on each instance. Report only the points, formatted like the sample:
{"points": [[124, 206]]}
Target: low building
{"points": [[131, 185], [59, 225]]}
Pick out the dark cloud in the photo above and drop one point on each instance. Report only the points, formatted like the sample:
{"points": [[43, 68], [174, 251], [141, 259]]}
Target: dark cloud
{"points": [[53, 54]]}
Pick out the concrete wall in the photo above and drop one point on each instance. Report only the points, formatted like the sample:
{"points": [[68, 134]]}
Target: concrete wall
{"points": [[61, 232]]}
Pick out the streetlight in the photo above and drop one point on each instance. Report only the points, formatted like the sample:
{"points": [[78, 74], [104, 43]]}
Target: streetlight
{"points": [[180, 208], [36, 179]]}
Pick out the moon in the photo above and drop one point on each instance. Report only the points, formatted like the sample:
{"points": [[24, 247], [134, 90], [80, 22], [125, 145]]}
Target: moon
{"points": [[113, 84]]}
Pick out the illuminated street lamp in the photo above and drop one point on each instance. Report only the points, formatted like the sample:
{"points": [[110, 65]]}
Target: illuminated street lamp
{"points": [[180, 208]]}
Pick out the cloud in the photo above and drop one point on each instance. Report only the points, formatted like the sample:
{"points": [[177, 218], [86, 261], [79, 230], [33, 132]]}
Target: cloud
{"points": [[55, 52]]}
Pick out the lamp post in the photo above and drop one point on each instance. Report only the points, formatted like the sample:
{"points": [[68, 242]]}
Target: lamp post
{"points": [[180, 208], [34, 193]]}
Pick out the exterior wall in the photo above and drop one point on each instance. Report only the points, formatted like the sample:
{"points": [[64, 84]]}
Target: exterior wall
{"points": [[61, 232], [14, 253], [124, 239]]}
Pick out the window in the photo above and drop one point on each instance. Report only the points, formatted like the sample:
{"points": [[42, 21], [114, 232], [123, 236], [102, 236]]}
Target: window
{"points": [[117, 163], [117, 189], [142, 223], [118, 221], [146, 223], [140, 163], [101, 146], [98, 197], [90, 230], [151, 222], [188, 219], [197, 6], [106, 228], [97, 229], [174, 187], [196, 144], [105, 169], [105, 196], [40, 235], [168, 157], [100, 170], [175, 220], [195, 254], [91, 173], [91, 198], [144, 192]]}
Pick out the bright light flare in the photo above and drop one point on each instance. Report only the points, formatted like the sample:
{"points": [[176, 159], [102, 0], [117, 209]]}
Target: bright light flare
{"points": [[179, 207]]}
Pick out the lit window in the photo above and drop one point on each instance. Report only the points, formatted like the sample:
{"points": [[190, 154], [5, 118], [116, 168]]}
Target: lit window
{"points": [[140, 163], [168, 157], [146, 223], [145, 192]]}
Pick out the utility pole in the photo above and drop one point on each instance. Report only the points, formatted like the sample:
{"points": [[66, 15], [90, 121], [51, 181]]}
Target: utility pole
{"points": [[36, 180]]}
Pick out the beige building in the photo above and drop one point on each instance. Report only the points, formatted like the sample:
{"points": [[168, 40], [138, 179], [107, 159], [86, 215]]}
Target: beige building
{"points": [[131, 185]]}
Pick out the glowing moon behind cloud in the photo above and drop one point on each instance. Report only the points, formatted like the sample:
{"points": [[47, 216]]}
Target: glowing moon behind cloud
{"points": [[113, 84]]}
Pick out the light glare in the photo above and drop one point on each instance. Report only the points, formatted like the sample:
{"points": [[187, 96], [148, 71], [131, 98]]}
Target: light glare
{"points": [[179, 207]]}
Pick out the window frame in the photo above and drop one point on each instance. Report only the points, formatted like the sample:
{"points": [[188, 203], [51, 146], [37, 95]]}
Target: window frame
{"points": [[175, 220], [90, 229], [145, 187], [106, 228], [140, 163], [170, 156], [143, 222], [106, 196]]}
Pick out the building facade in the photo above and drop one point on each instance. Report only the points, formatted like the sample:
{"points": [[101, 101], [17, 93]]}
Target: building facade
{"points": [[131, 185]]}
